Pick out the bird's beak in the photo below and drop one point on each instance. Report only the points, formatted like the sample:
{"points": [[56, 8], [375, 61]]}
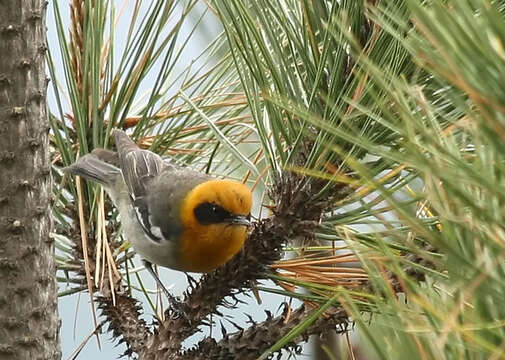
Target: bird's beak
{"points": [[240, 220]]}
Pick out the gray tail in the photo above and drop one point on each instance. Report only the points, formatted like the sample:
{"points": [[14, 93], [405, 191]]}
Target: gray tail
{"points": [[91, 167]]}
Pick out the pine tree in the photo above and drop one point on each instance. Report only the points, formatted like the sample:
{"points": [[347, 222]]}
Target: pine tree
{"points": [[372, 133]]}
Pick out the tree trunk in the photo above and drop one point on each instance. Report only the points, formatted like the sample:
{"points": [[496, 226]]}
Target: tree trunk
{"points": [[28, 302]]}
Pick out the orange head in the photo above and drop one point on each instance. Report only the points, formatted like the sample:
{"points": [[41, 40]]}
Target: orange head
{"points": [[215, 216]]}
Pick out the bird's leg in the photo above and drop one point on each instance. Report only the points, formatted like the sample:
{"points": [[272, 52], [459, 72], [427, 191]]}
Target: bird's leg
{"points": [[174, 302], [149, 268]]}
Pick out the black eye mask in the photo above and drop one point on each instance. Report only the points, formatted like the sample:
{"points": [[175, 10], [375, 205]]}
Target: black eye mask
{"points": [[209, 213]]}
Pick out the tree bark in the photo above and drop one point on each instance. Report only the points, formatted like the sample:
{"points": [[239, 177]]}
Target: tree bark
{"points": [[28, 301]]}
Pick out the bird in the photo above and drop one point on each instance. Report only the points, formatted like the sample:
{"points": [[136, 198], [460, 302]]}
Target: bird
{"points": [[173, 216]]}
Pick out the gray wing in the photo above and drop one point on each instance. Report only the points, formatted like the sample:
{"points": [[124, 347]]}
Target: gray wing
{"points": [[107, 156], [139, 168]]}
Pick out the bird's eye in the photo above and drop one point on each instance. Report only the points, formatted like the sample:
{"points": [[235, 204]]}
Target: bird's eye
{"points": [[210, 213]]}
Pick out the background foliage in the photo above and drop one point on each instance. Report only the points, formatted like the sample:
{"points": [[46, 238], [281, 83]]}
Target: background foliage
{"points": [[389, 113]]}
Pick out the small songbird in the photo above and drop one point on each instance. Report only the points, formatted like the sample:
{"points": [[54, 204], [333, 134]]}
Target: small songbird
{"points": [[173, 216]]}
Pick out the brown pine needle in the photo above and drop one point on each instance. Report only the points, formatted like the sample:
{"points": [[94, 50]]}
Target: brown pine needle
{"points": [[322, 270], [84, 239], [326, 260]]}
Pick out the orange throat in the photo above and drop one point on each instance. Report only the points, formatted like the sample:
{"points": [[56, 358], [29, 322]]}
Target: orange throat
{"points": [[206, 247]]}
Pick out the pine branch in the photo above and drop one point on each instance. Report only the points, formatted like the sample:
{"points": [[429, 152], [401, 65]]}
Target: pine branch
{"points": [[249, 343], [125, 321]]}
